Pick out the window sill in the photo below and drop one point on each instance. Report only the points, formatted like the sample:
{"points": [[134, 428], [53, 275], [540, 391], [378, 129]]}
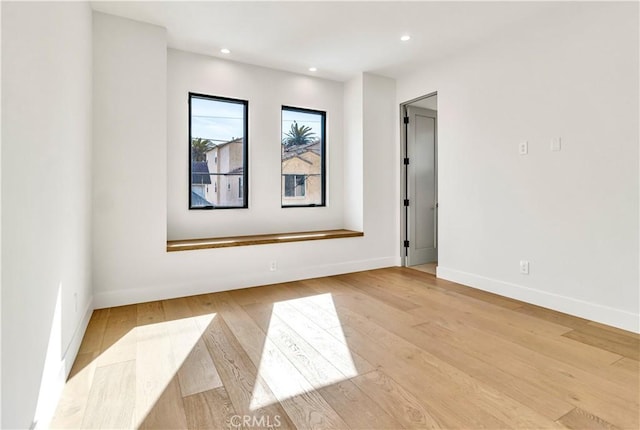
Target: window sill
{"points": [[262, 239]]}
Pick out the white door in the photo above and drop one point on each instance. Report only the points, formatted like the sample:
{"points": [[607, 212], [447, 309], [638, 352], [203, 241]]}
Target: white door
{"points": [[421, 186]]}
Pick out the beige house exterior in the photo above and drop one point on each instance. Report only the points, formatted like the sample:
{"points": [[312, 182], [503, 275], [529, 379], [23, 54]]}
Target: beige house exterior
{"points": [[226, 190], [302, 175]]}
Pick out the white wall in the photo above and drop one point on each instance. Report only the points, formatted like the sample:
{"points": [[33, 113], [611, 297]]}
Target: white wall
{"points": [[573, 214], [267, 90], [353, 153], [130, 154], [381, 163], [0, 220], [46, 184]]}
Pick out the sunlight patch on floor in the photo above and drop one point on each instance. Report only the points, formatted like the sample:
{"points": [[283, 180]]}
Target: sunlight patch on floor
{"points": [[161, 350], [299, 355], [153, 355]]}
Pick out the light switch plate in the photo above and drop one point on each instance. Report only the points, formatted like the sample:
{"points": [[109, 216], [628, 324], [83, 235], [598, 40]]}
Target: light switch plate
{"points": [[556, 144]]}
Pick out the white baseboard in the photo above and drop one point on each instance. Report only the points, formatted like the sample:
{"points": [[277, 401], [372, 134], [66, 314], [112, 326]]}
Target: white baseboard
{"points": [[74, 346], [235, 281], [580, 308]]}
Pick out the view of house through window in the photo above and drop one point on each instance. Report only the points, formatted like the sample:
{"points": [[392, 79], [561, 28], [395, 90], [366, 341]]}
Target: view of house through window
{"points": [[218, 148], [303, 158]]}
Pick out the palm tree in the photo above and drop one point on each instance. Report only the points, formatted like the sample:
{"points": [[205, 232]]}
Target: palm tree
{"points": [[298, 135], [200, 147]]}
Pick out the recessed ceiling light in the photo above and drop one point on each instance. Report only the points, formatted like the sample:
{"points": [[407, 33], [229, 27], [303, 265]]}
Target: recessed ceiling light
{"points": [[405, 38], [225, 51], [313, 69]]}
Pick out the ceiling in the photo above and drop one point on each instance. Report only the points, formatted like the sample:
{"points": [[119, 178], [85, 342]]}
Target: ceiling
{"points": [[341, 39], [430, 102]]}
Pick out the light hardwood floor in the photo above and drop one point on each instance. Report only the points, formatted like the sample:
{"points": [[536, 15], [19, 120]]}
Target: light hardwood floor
{"points": [[427, 267], [383, 349]]}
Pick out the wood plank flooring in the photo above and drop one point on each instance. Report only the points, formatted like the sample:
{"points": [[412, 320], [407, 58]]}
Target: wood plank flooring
{"points": [[381, 349]]}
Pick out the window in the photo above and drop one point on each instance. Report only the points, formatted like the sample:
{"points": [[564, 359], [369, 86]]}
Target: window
{"points": [[303, 157], [294, 185], [217, 152]]}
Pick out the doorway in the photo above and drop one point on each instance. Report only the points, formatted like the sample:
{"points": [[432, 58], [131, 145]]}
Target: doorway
{"points": [[420, 162]]}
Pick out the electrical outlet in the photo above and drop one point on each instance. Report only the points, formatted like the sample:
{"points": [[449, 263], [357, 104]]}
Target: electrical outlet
{"points": [[273, 266], [524, 267], [523, 148]]}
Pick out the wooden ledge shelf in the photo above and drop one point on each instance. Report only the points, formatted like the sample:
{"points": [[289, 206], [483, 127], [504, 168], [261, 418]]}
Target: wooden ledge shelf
{"points": [[261, 239]]}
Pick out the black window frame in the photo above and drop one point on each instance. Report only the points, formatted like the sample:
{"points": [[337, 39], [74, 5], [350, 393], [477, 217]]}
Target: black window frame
{"points": [[245, 152], [323, 157]]}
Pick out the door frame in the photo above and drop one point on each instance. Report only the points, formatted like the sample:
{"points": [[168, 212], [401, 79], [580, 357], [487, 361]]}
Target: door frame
{"points": [[404, 178]]}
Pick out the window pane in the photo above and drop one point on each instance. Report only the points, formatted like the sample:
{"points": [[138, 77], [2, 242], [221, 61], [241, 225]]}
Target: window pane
{"points": [[218, 150], [303, 158], [289, 185], [300, 186]]}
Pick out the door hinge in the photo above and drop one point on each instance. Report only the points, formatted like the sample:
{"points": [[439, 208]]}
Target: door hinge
{"points": [[406, 120], [406, 161], [406, 243], [406, 202]]}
